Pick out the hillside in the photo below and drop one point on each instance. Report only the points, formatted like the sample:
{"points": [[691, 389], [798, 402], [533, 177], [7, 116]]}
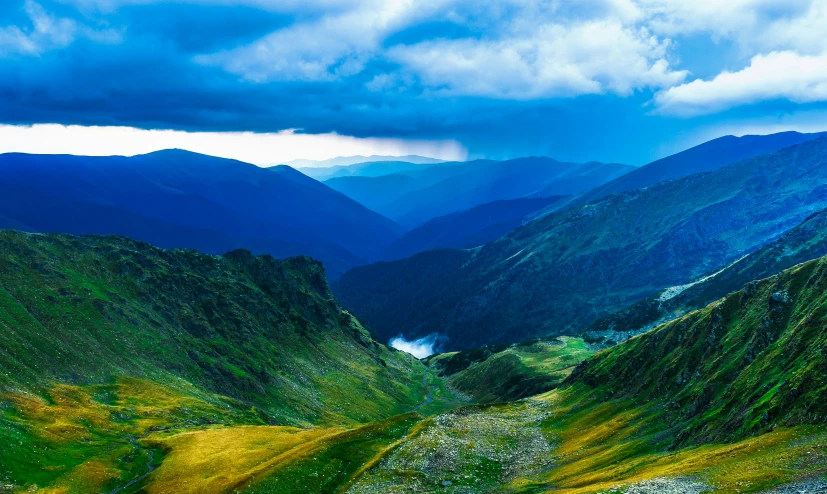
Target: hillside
{"points": [[105, 339], [465, 229], [217, 204], [500, 373], [730, 398], [114, 351], [558, 274], [701, 158], [804, 242]]}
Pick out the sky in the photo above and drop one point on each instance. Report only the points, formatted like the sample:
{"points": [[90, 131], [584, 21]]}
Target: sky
{"points": [[268, 81]]}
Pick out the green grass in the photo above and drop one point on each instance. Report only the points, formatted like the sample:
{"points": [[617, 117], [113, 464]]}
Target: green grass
{"points": [[510, 372]]}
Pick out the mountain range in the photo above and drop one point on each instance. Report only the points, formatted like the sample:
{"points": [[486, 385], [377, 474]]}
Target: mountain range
{"points": [[182, 199], [559, 273], [469, 228], [662, 339], [437, 190], [806, 241], [343, 166]]}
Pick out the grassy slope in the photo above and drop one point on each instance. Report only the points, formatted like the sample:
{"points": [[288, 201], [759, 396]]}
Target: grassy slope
{"points": [[104, 339], [730, 398], [805, 242], [510, 372]]}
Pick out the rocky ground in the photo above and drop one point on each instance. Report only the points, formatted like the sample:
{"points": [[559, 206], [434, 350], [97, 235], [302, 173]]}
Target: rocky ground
{"points": [[468, 450]]}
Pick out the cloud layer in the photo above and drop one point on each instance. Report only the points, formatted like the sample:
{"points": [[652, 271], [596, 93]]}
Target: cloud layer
{"points": [[542, 75]]}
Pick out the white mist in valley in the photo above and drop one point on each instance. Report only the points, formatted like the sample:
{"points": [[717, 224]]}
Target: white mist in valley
{"points": [[419, 348]]}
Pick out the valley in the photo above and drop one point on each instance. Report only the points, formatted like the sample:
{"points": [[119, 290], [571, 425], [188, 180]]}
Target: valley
{"points": [[696, 367]]}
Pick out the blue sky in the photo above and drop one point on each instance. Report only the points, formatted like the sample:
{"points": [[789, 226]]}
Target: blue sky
{"points": [[611, 80]]}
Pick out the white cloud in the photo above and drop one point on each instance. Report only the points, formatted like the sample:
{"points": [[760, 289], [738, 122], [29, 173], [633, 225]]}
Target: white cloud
{"points": [[259, 149], [48, 32], [553, 60], [333, 46], [419, 348], [45, 32], [777, 75]]}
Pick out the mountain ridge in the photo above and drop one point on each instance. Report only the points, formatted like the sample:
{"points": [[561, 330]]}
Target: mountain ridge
{"points": [[544, 278]]}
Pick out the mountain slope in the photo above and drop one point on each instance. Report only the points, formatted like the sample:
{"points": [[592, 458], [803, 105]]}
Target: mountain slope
{"points": [[275, 211], [465, 229], [462, 186], [268, 332], [804, 242], [730, 398], [704, 157], [375, 193], [558, 274]]}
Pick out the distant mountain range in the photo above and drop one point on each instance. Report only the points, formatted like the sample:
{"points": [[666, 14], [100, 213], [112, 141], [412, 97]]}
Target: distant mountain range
{"points": [[341, 162], [703, 157], [437, 190], [469, 228], [559, 273], [182, 199]]}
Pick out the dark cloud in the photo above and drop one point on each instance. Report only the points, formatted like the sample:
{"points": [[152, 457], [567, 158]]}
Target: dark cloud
{"points": [[141, 64]]}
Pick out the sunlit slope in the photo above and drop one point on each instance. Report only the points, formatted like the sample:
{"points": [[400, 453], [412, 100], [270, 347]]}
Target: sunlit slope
{"points": [[496, 373], [728, 399], [90, 309]]}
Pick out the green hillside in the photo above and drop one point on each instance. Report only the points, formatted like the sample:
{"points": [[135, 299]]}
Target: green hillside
{"points": [[104, 340], [129, 369], [727, 399]]}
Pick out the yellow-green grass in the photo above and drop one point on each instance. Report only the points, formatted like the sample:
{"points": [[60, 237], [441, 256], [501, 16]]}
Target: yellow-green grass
{"points": [[600, 446], [519, 371], [223, 459], [83, 438]]}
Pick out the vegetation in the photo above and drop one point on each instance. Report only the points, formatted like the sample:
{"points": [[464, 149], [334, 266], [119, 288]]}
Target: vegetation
{"points": [[729, 398], [105, 339], [496, 373]]}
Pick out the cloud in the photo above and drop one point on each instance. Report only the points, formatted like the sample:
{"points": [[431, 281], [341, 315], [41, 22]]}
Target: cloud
{"points": [[43, 32], [328, 48], [552, 61], [256, 148], [777, 75], [419, 348]]}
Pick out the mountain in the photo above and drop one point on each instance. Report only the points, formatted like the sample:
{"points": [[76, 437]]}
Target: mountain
{"points": [[105, 340], [465, 229], [498, 373], [182, 199], [559, 273], [128, 368], [804, 242], [343, 161], [374, 192], [368, 169], [452, 187], [730, 398], [704, 157]]}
